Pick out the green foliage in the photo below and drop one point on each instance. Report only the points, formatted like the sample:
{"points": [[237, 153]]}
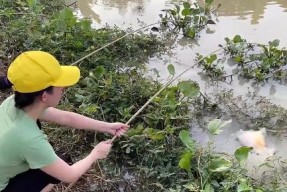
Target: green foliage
{"points": [[68, 38], [171, 69], [189, 88], [152, 144], [187, 140], [214, 127], [185, 160], [249, 60], [114, 86], [190, 18], [211, 66], [210, 171], [219, 165], [241, 154]]}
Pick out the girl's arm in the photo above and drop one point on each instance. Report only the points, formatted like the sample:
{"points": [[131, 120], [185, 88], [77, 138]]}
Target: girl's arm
{"points": [[71, 173], [74, 120]]}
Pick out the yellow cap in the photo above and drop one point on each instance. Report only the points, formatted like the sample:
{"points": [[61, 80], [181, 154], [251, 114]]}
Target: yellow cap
{"points": [[36, 70]]}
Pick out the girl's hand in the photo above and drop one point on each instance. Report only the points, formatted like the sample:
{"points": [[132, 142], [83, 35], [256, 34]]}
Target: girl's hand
{"points": [[117, 129], [101, 150]]}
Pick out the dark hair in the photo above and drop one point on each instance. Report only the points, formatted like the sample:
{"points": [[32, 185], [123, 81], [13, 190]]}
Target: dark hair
{"points": [[4, 83], [24, 99]]}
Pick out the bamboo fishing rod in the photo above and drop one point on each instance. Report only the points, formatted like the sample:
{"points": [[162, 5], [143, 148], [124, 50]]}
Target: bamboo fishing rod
{"points": [[150, 100], [92, 53]]}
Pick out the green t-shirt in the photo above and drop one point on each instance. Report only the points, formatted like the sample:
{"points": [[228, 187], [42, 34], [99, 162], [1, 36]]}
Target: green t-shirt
{"points": [[23, 145]]}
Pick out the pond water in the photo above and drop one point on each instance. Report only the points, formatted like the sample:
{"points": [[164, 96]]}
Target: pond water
{"points": [[257, 21]]}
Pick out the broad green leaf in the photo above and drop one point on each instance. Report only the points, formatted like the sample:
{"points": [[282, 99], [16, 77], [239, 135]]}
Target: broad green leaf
{"points": [[274, 43], [185, 161], [86, 25], [186, 12], [215, 126], [99, 71], [67, 14], [186, 5], [219, 165], [186, 139], [241, 154], [237, 39], [189, 88], [171, 69], [191, 32], [61, 25], [243, 187], [211, 58]]}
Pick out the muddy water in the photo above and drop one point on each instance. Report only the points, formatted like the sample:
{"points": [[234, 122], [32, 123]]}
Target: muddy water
{"points": [[255, 20]]}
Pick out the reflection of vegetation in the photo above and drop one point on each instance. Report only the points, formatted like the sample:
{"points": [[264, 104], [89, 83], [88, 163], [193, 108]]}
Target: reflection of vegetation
{"points": [[253, 61], [244, 8], [87, 11], [85, 6], [123, 5]]}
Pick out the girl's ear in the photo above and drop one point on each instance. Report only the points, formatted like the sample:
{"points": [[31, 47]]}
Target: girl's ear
{"points": [[44, 96]]}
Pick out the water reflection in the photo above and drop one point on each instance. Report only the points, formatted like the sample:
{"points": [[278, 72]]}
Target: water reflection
{"points": [[138, 6], [124, 13], [88, 10], [243, 8], [85, 6], [260, 13], [234, 18]]}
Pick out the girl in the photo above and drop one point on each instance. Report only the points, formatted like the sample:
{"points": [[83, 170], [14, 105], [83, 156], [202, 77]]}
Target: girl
{"points": [[28, 162]]}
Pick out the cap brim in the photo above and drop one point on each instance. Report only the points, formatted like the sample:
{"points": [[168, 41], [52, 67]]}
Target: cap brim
{"points": [[70, 76]]}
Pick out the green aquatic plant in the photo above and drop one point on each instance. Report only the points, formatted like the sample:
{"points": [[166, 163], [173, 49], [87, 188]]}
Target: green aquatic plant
{"points": [[113, 86], [255, 61], [209, 171], [190, 18]]}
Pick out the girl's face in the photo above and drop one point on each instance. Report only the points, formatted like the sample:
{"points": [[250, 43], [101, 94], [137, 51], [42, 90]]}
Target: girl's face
{"points": [[54, 98]]}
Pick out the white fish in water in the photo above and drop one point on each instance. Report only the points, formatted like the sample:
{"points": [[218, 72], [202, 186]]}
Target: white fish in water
{"points": [[255, 139]]}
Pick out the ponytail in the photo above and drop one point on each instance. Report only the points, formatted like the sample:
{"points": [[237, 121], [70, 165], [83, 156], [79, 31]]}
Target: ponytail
{"points": [[5, 83], [24, 99]]}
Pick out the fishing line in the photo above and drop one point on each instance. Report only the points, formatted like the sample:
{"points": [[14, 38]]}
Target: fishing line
{"points": [[155, 95], [92, 53]]}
